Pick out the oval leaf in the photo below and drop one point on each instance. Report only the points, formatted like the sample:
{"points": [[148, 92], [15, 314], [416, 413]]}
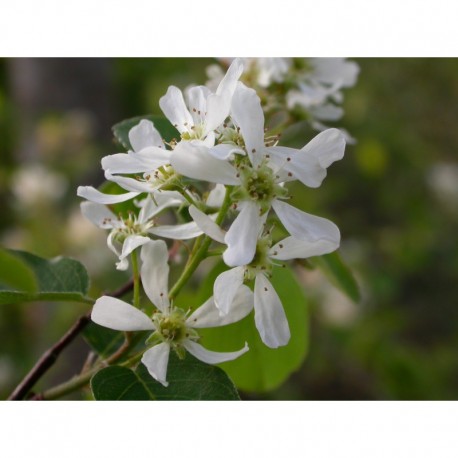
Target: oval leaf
{"points": [[189, 380], [58, 279]]}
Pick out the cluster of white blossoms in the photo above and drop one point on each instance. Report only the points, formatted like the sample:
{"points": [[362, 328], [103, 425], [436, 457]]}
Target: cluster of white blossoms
{"points": [[222, 140], [306, 88]]}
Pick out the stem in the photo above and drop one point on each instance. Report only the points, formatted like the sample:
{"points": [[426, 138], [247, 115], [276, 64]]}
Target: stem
{"points": [[198, 255], [50, 356], [136, 279]]}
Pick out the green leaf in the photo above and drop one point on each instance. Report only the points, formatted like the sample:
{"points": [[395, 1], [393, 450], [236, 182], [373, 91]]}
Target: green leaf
{"points": [[189, 379], [121, 129], [338, 274], [102, 340], [15, 274], [58, 279], [262, 369]]}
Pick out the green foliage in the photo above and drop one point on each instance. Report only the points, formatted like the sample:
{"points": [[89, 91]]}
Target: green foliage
{"points": [[189, 379], [338, 273], [59, 279], [262, 368], [121, 129], [102, 340]]}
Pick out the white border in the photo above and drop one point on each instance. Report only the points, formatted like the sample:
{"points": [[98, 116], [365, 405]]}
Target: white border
{"points": [[354, 28]]}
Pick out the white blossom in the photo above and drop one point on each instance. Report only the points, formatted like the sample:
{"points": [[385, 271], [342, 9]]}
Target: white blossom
{"points": [[173, 328], [270, 318]]}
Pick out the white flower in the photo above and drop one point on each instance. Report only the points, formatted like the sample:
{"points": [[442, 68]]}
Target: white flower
{"points": [[149, 156], [260, 175], [270, 316], [205, 111], [134, 231], [173, 329]]}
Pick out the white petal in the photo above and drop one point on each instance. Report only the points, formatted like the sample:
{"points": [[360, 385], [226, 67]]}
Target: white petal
{"points": [[146, 160], [119, 315], [297, 165], [196, 162], [207, 225], [216, 196], [130, 244], [304, 226], [178, 231], [269, 314], [224, 151], [174, 108], [144, 134], [158, 201], [327, 147], [99, 215], [219, 104], [243, 234], [130, 184], [92, 194], [155, 273], [293, 248], [208, 316], [225, 288], [246, 111], [156, 360], [212, 357], [196, 98]]}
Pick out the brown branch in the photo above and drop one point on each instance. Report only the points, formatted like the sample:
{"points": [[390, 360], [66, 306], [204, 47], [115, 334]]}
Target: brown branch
{"points": [[50, 356]]}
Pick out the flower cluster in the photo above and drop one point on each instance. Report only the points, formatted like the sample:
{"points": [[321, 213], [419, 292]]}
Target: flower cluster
{"points": [[221, 139], [305, 88]]}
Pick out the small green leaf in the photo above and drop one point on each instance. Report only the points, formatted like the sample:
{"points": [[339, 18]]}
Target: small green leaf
{"points": [[15, 274], [121, 129], [338, 274], [102, 340], [58, 279], [262, 368], [189, 379]]}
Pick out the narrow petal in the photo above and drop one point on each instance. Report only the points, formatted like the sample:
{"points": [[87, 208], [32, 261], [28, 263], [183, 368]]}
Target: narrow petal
{"points": [[224, 151], [212, 357], [304, 226], [243, 234], [130, 244], [144, 134], [92, 194], [158, 201], [99, 215], [196, 98], [246, 111], [208, 316], [119, 315], [155, 273], [328, 146], [219, 104], [146, 160], [269, 314], [174, 108], [226, 286], [130, 184], [216, 196], [293, 248], [297, 165], [178, 231], [196, 162], [156, 360], [207, 225]]}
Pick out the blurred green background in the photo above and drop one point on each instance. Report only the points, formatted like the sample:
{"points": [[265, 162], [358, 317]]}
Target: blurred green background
{"points": [[394, 196]]}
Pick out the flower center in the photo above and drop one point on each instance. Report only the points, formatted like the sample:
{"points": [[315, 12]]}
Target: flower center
{"points": [[261, 261], [258, 184], [195, 132], [171, 327]]}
